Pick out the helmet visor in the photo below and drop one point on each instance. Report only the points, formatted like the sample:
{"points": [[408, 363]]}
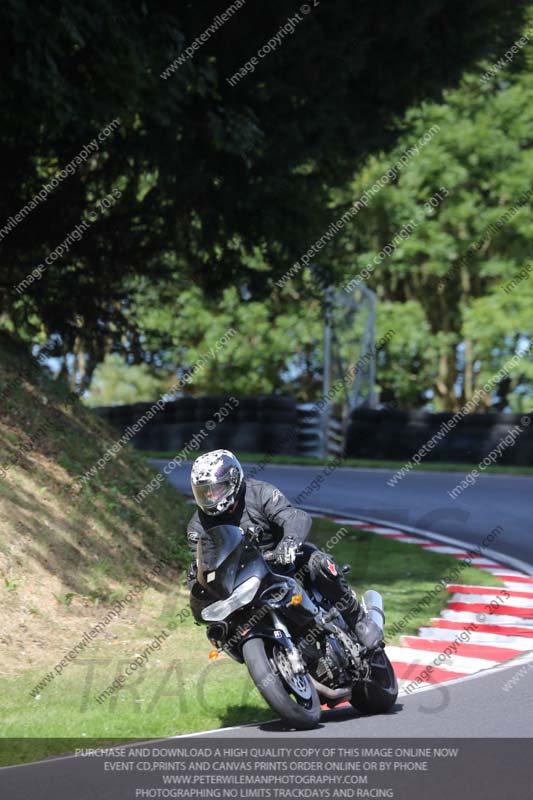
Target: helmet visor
{"points": [[208, 495]]}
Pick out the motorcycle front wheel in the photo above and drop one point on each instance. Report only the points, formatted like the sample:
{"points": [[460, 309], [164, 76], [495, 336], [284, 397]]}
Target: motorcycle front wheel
{"points": [[291, 696], [377, 694]]}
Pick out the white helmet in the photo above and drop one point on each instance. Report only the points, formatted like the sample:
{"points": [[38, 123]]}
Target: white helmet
{"points": [[216, 479]]}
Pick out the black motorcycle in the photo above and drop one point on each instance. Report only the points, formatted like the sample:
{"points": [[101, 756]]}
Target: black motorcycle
{"points": [[295, 644]]}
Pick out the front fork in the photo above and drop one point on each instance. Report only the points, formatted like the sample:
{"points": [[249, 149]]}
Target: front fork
{"points": [[282, 635]]}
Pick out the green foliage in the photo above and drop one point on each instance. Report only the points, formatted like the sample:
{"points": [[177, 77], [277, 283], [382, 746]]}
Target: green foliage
{"points": [[443, 289], [114, 382], [217, 183], [248, 347], [405, 366], [11, 584], [457, 292]]}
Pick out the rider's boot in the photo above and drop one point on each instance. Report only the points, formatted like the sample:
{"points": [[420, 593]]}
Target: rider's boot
{"points": [[350, 609]]}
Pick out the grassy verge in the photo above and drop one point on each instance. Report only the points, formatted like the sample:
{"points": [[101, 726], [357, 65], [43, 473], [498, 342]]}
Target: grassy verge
{"points": [[362, 463], [179, 690], [70, 548]]}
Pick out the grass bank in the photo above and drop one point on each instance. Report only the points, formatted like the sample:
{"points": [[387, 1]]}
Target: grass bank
{"points": [[69, 551]]}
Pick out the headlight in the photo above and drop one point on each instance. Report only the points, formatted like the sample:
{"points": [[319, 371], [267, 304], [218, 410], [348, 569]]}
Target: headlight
{"points": [[242, 595]]}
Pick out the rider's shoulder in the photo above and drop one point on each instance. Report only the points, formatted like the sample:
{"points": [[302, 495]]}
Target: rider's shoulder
{"points": [[259, 486], [263, 489], [194, 521]]}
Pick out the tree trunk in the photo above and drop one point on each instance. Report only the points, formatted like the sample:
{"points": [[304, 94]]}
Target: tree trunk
{"points": [[468, 378], [445, 398]]}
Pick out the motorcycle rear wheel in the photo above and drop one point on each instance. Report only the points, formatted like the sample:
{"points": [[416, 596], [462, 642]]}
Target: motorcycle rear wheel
{"points": [[294, 698], [378, 694]]}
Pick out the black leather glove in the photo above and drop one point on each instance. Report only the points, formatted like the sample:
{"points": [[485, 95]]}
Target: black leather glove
{"points": [[285, 552]]}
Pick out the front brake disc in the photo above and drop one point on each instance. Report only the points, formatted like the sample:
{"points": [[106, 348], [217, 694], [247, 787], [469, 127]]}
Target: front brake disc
{"points": [[300, 684]]}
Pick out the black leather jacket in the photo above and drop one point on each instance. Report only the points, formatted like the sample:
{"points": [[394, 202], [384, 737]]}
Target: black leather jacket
{"points": [[262, 507]]}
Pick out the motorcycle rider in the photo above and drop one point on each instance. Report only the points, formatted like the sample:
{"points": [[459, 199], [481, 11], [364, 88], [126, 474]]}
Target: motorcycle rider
{"points": [[224, 497]]}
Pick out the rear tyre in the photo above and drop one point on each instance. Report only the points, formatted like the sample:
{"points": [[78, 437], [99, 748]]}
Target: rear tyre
{"points": [[294, 698], [378, 694]]}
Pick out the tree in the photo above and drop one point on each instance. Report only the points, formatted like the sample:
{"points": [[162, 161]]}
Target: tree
{"points": [[443, 285], [114, 382], [225, 184], [228, 345]]}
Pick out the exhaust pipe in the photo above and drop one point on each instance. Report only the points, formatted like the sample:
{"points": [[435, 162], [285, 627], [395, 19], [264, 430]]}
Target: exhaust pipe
{"points": [[332, 695], [371, 626]]}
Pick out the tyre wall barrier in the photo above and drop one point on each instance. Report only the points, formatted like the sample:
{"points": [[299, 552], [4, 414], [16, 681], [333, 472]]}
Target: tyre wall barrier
{"points": [[398, 435], [256, 425]]}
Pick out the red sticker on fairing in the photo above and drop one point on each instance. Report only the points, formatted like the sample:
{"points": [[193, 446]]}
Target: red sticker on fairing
{"points": [[332, 568]]}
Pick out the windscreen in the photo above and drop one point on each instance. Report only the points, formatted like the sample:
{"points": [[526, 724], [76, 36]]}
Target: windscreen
{"points": [[215, 545]]}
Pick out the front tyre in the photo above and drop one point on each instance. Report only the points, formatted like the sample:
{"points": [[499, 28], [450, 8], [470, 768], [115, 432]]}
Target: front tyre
{"points": [[378, 693], [291, 696]]}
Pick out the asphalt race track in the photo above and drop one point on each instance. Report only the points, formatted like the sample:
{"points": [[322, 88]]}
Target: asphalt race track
{"points": [[420, 500]]}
